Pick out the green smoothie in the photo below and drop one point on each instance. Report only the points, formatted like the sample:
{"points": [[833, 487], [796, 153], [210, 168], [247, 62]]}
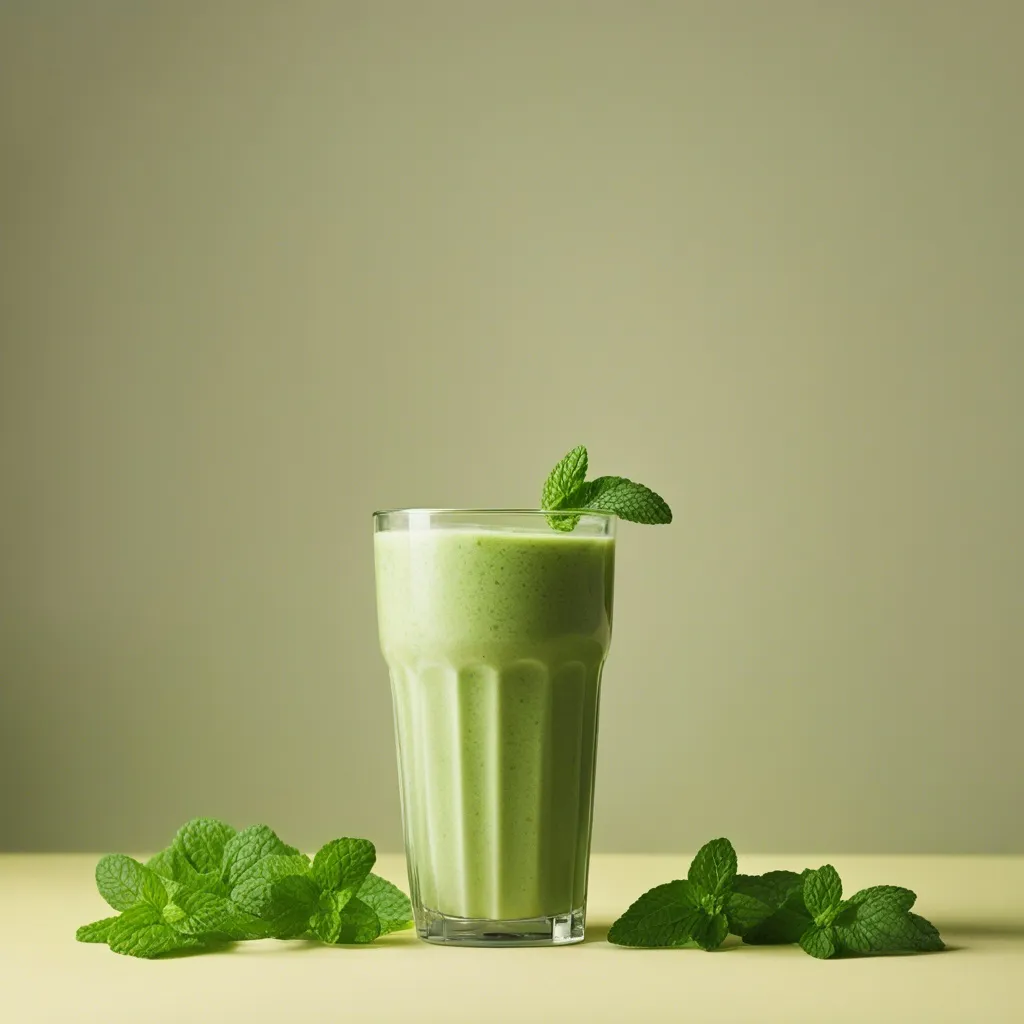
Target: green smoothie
{"points": [[495, 640]]}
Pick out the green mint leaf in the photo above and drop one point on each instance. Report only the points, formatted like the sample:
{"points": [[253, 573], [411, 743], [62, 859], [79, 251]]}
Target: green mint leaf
{"points": [[626, 499], [200, 913], [567, 488], [818, 942], [709, 930], [773, 887], [890, 896], [342, 865], [141, 931], [877, 920], [788, 923], [663, 916], [253, 893], [388, 902], [98, 931], [293, 901], [714, 867], [123, 882], [359, 923], [325, 923], [244, 850], [565, 522], [823, 894], [163, 863], [565, 479], [759, 923], [745, 912], [926, 936], [174, 867], [202, 842]]}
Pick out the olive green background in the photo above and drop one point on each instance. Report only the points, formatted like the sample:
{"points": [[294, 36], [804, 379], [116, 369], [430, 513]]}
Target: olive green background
{"points": [[267, 267]]}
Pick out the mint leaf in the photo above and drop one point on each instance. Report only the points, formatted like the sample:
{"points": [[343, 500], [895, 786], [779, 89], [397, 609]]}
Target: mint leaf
{"points": [[141, 931], [877, 920], [709, 930], [202, 842], [325, 923], [817, 941], [874, 920], [253, 893], [772, 888], [98, 931], [924, 936], [359, 922], [823, 893], [342, 866], [662, 916], [176, 869], [200, 913], [164, 862], [388, 902], [778, 907], [565, 479], [714, 867], [745, 912], [891, 896], [566, 522], [213, 884], [703, 909], [710, 876], [791, 919], [292, 903], [247, 848], [123, 882], [626, 499], [567, 488]]}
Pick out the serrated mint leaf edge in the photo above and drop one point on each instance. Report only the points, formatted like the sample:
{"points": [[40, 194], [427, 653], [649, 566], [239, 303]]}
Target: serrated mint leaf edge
{"points": [[341, 866], [713, 867], [391, 905], [670, 908], [625, 498], [567, 476], [124, 882], [141, 932], [96, 931]]}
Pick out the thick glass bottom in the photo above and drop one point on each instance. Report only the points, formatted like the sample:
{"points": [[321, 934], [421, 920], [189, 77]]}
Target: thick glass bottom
{"points": [[560, 930]]}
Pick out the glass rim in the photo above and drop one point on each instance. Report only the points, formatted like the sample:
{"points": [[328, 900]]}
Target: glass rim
{"points": [[496, 512]]}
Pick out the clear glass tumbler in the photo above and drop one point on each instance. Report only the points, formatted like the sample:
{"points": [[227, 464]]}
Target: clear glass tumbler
{"points": [[495, 628]]}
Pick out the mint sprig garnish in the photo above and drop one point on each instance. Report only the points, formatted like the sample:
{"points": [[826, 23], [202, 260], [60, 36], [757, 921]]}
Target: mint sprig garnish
{"points": [[567, 488], [873, 921], [214, 885], [779, 907], [712, 901]]}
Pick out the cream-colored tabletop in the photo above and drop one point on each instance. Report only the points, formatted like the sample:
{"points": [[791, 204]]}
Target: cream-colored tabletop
{"points": [[977, 902]]}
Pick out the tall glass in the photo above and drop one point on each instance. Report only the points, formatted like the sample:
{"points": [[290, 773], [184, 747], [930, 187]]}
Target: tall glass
{"points": [[495, 628]]}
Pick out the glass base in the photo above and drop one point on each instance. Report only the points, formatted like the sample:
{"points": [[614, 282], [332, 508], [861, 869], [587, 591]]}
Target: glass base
{"points": [[560, 930]]}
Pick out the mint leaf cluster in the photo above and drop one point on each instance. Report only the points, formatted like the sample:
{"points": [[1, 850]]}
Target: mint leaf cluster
{"points": [[215, 885], [779, 907], [567, 487], [874, 920]]}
